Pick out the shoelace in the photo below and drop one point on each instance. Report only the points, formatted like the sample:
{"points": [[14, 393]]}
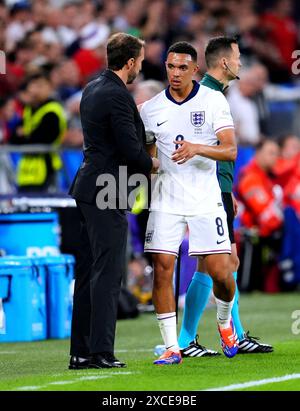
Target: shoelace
{"points": [[197, 344], [250, 338]]}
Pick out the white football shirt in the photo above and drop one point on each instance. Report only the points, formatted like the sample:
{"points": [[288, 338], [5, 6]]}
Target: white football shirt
{"points": [[191, 188]]}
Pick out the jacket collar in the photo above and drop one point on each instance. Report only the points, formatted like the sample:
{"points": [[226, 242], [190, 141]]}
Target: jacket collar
{"points": [[110, 74], [213, 83]]}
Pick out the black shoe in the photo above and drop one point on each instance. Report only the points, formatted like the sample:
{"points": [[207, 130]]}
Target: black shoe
{"points": [[78, 363], [105, 360], [250, 345], [194, 349]]}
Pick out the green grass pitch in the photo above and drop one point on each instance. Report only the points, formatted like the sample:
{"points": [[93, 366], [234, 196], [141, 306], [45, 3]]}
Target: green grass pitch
{"points": [[42, 366]]}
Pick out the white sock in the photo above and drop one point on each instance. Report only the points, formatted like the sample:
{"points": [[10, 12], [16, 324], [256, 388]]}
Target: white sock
{"points": [[224, 312], [168, 330]]}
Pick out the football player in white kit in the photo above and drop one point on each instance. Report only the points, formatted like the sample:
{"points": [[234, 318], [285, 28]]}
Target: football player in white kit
{"points": [[193, 128]]}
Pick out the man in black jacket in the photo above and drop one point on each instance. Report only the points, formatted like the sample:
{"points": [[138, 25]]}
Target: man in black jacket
{"points": [[114, 138]]}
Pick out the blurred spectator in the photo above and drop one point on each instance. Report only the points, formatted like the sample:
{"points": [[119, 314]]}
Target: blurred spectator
{"points": [[10, 118], [260, 78], [73, 136], [21, 22], [221, 21], [156, 19], [292, 190], [287, 171], [258, 193], [53, 51], [68, 80], [153, 65], [145, 90], [281, 32], [274, 102], [290, 146], [262, 216], [23, 56], [3, 20], [244, 110], [112, 14], [90, 58], [43, 122], [3, 121], [133, 13], [289, 159], [36, 40], [67, 30]]}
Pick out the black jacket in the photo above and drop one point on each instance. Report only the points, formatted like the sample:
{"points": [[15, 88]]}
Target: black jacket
{"points": [[114, 135]]}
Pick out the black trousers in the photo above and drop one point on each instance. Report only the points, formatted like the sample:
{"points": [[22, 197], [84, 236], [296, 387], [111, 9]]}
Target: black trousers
{"points": [[100, 269]]}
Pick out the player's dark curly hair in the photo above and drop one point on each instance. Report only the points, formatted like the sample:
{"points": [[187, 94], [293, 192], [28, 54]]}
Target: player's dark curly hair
{"points": [[185, 48]]}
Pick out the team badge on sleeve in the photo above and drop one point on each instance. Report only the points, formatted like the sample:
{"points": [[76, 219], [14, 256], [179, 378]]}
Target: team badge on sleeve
{"points": [[149, 236], [198, 118]]}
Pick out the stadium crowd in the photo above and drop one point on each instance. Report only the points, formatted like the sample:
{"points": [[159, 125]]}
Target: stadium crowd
{"points": [[54, 47]]}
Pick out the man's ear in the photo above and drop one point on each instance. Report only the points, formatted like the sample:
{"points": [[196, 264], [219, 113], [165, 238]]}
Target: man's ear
{"points": [[130, 62]]}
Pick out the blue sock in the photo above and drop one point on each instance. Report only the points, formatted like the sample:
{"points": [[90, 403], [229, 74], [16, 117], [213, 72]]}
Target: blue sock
{"points": [[235, 311], [195, 302]]}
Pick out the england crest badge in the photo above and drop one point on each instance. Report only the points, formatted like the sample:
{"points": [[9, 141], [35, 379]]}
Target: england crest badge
{"points": [[198, 118]]}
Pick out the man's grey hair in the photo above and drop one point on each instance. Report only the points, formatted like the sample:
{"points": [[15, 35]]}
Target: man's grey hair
{"points": [[150, 87]]}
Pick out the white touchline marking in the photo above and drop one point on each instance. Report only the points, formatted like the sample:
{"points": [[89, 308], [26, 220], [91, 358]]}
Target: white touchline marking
{"points": [[93, 377], [256, 383], [88, 377], [82, 378], [8, 352]]}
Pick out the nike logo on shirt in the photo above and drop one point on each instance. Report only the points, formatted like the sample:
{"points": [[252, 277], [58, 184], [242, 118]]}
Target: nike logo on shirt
{"points": [[159, 124], [220, 242]]}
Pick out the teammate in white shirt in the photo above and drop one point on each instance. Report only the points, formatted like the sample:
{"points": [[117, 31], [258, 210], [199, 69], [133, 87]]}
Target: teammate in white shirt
{"points": [[193, 128]]}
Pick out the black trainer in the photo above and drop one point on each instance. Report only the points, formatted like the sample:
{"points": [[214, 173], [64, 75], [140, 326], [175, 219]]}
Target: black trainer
{"points": [[105, 360], [78, 363], [196, 350], [250, 345]]}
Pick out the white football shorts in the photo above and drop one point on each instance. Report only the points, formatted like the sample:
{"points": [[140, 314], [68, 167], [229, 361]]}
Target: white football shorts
{"points": [[208, 233]]}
